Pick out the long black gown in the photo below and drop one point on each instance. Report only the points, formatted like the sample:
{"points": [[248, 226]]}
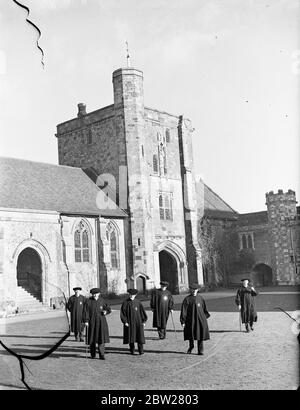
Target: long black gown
{"points": [[97, 324], [133, 313], [245, 298], [161, 303], [193, 315], [75, 306]]}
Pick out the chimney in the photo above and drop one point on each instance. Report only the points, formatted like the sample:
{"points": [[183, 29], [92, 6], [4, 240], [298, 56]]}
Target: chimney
{"points": [[81, 110]]}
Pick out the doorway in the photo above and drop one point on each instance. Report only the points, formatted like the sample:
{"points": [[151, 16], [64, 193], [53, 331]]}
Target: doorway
{"points": [[169, 271], [29, 272]]}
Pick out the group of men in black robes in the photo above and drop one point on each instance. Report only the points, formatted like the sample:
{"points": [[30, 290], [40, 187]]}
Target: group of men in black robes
{"points": [[92, 312]]}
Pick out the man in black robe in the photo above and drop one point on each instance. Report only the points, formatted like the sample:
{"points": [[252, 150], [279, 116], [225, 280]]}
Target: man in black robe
{"points": [[133, 317], [94, 317], [161, 304], [246, 303], [75, 307], [193, 319]]}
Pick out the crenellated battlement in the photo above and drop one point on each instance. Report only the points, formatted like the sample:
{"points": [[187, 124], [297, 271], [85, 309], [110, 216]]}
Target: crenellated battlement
{"points": [[281, 196]]}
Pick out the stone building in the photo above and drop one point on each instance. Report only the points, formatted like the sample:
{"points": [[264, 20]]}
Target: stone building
{"points": [[54, 236], [272, 239], [264, 246], [145, 157], [123, 209]]}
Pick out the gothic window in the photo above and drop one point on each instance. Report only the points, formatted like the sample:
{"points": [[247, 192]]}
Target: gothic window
{"points": [[167, 135], [82, 243], [165, 161], [155, 164], [244, 242], [113, 240], [250, 244], [166, 206], [161, 207]]}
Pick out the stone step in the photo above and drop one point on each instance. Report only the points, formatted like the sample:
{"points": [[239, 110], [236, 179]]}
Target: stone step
{"points": [[26, 301]]}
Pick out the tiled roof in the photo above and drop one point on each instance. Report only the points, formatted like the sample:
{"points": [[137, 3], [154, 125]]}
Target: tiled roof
{"points": [[213, 205], [40, 186]]}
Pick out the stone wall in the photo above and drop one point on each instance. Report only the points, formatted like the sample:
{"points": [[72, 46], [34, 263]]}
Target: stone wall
{"points": [[52, 237], [281, 211]]}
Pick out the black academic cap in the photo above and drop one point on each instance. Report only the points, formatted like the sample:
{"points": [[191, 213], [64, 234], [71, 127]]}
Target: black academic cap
{"points": [[195, 286], [77, 288], [242, 280], [164, 283], [132, 291], [94, 291]]}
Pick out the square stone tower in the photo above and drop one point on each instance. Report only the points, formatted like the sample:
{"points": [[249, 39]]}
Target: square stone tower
{"points": [[283, 225], [145, 157]]}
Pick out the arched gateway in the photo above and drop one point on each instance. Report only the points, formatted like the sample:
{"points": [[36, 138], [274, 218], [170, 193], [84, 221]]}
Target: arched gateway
{"points": [[169, 270], [29, 272], [262, 275]]}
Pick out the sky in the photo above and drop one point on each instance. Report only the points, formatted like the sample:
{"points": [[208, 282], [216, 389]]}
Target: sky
{"points": [[231, 66]]}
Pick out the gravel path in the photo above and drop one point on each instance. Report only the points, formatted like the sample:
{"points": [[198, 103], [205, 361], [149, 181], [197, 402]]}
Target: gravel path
{"points": [[264, 359]]}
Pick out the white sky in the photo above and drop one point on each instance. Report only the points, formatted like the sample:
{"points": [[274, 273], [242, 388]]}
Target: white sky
{"points": [[231, 66]]}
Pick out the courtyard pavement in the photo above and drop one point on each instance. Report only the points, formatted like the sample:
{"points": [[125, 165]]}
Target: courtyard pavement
{"points": [[266, 358]]}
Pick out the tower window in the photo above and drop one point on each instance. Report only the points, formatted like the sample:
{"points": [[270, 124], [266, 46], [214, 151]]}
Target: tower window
{"points": [[90, 137], [167, 135], [155, 164], [166, 206]]}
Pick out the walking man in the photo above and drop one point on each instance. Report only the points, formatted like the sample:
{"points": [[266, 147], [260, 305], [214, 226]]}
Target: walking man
{"points": [[161, 304], [246, 303], [133, 317], [193, 319], [75, 307], [94, 317]]}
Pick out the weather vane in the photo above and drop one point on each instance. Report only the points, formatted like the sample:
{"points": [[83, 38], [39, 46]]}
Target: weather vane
{"points": [[127, 56]]}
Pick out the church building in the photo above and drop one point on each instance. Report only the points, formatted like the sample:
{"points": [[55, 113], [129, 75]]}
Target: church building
{"points": [[143, 158]]}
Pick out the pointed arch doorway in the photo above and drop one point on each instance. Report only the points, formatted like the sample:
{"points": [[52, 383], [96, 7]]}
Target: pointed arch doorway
{"points": [[169, 270], [29, 272], [262, 275]]}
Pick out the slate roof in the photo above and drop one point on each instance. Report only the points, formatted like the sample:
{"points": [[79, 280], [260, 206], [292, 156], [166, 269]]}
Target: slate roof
{"points": [[35, 185], [214, 205]]}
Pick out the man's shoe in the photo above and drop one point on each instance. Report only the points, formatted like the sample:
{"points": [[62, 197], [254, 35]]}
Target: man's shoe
{"points": [[102, 357], [200, 349], [251, 327], [189, 351], [247, 329]]}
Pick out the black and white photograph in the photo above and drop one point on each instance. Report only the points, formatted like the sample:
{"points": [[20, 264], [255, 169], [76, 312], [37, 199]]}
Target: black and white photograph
{"points": [[149, 198]]}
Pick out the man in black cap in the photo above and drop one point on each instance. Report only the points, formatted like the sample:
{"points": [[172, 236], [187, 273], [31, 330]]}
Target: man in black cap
{"points": [[133, 317], [161, 304], [75, 306], [94, 316], [246, 303], [193, 319]]}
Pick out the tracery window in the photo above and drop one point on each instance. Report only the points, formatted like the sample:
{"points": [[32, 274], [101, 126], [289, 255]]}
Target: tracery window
{"points": [[166, 206], [82, 243], [113, 239]]}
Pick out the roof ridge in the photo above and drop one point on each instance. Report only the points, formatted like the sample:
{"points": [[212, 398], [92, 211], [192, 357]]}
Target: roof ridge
{"points": [[38, 162]]}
